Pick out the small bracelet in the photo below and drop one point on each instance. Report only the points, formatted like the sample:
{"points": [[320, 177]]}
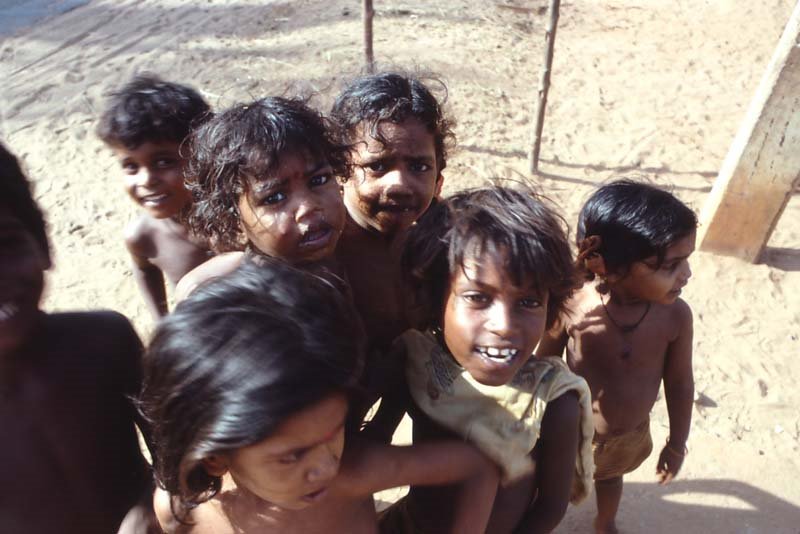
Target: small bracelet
{"points": [[676, 453]]}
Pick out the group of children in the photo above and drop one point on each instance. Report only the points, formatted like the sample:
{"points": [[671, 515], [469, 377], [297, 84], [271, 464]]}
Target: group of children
{"points": [[340, 276]]}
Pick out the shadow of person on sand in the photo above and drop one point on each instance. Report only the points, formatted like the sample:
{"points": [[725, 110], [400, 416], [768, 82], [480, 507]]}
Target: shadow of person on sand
{"points": [[785, 259], [713, 506]]}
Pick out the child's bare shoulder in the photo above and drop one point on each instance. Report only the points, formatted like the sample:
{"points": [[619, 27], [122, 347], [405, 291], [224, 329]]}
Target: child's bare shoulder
{"points": [[139, 236], [213, 268], [680, 317]]}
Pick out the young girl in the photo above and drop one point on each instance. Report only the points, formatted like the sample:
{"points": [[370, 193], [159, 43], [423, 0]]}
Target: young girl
{"points": [[247, 387], [490, 269], [262, 176], [626, 330]]}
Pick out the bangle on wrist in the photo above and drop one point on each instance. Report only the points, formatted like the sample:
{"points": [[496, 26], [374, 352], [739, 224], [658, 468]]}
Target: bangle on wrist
{"points": [[675, 451]]}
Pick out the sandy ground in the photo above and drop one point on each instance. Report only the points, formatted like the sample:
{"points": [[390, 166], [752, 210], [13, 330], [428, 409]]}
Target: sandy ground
{"points": [[641, 88]]}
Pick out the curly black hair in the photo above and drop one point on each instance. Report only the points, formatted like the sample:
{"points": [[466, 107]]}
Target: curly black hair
{"points": [[148, 109], [243, 143], [514, 219], [391, 96], [17, 198]]}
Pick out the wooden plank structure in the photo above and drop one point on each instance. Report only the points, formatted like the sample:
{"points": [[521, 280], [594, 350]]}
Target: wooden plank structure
{"points": [[762, 167], [544, 84], [368, 14]]}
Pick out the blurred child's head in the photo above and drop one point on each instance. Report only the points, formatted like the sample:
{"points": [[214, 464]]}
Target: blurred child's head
{"points": [[492, 269], [251, 375], [145, 124], [263, 174], [24, 254], [628, 229], [398, 138]]}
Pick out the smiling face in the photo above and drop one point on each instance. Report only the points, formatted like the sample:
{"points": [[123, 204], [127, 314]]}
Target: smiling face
{"points": [[296, 213], [491, 326], [294, 467], [647, 281], [394, 182], [154, 177], [22, 265]]}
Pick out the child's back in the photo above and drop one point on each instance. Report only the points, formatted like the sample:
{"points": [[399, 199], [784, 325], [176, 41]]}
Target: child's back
{"points": [[145, 124], [72, 460]]}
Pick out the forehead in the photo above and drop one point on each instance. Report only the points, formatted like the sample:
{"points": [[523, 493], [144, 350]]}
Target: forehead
{"points": [[408, 136], [490, 266], [148, 150], [681, 248], [291, 164]]}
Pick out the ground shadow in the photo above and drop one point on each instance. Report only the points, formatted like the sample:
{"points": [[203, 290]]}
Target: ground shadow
{"points": [[689, 506], [785, 259]]}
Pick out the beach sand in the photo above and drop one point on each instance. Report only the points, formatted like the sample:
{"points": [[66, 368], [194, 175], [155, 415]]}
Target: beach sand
{"points": [[640, 88]]}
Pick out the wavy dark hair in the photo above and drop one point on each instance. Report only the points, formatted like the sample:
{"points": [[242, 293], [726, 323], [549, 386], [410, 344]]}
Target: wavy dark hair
{"points": [[237, 358], [149, 109], [17, 198], [634, 221], [391, 96], [472, 221], [246, 142]]}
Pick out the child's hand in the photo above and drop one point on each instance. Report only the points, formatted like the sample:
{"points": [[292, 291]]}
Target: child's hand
{"points": [[669, 463]]}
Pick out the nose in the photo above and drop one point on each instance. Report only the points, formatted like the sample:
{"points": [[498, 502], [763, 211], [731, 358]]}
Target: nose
{"points": [[146, 177], [499, 320], [325, 464], [398, 182], [687, 271], [307, 205]]}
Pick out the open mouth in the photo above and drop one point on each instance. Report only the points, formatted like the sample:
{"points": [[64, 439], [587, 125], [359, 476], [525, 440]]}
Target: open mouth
{"points": [[315, 496], [497, 354], [155, 199], [317, 236], [398, 208]]}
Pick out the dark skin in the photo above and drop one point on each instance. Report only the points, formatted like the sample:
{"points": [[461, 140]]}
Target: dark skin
{"points": [[70, 445]]}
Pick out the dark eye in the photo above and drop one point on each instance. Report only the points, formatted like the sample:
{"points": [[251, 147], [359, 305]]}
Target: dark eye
{"points": [[130, 167], [376, 166], [274, 198], [420, 167], [291, 458], [320, 179], [164, 163], [476, 298], [530, 303]]}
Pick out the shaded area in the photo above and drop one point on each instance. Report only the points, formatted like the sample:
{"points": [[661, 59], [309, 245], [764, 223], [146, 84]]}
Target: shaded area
{"points": [[18, 14]]}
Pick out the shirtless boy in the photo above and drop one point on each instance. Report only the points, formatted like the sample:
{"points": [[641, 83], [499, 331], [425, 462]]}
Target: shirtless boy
{"points": [[145, 124], [71, 461], [626, 330]]}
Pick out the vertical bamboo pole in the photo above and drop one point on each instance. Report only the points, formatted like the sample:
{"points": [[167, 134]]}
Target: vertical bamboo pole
{"points": [[368, 14], [544, 83]]}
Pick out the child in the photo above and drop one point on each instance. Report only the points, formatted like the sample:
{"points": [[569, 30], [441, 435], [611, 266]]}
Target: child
{"points": [[145, 124], [263, 179], [398, 138], [71, 461], [491, 268], [626, 330], [247, 386]]}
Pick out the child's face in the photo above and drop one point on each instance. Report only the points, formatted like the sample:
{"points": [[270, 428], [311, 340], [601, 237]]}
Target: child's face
{"points": [[154, 177], [492, 326], [294, 467], [22, 265], [661, 284], [392, 183], [296, 213]]}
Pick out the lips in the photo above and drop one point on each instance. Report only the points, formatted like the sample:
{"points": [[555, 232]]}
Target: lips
{"points": [[316, 236], [497, 355], [315, 496], [399, 207], [154, 199]]}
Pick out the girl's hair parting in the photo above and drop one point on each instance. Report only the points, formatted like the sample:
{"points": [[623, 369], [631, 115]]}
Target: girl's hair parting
{"points": [[394, 97], [626, 221], [237, 358], [246, 143], [16, 197], [148, 109], [473, 221]]}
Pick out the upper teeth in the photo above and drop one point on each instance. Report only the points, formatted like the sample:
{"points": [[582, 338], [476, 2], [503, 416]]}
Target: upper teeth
{"points": [[494, 352], [8, 310]]}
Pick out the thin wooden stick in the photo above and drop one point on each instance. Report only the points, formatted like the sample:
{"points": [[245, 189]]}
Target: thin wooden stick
{"points": [[368, 14], [544, 83]]}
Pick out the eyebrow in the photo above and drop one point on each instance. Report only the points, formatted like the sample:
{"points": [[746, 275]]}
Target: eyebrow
{"points": [[276, 181], [329, 436]]}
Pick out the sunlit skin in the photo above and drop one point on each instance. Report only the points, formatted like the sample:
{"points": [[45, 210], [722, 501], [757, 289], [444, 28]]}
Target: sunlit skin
{"points": [[161, 247], [625, 370], [296, 213], [490, 324]]}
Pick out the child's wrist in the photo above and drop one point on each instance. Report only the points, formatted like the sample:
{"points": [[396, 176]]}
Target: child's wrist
{"points": [[676, 449]]}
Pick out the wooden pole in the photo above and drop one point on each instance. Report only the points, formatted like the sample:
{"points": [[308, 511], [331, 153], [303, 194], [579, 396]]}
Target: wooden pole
{"points": [[544, 83], [368, 14], [762, 167]]}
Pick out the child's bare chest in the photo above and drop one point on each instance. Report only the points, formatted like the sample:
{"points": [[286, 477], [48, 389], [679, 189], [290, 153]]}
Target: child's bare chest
{"points": [[176, 254]]}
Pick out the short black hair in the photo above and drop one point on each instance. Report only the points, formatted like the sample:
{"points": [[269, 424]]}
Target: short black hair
{"points": [[391, 96], [234, 360], [634, 221], [244, 142], [514, 219], [148, 109], [17, 198]]}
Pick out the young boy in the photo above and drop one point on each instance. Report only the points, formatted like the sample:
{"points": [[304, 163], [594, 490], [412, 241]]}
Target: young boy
{"points": [[145, 124], [626, 330], [71, 460]]}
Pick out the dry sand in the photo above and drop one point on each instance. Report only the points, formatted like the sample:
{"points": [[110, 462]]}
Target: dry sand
{"points": [[641, 88]]}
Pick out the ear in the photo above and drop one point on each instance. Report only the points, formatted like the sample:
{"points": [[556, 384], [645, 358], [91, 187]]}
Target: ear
{"points": [[439, 182], [594, 263], [215, 465]]}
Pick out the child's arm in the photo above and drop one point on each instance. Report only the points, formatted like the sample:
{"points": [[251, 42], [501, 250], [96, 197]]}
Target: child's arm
{"points": [[215, 267], [371, 467], [149, 278], [679, 392], [555, 465]]}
